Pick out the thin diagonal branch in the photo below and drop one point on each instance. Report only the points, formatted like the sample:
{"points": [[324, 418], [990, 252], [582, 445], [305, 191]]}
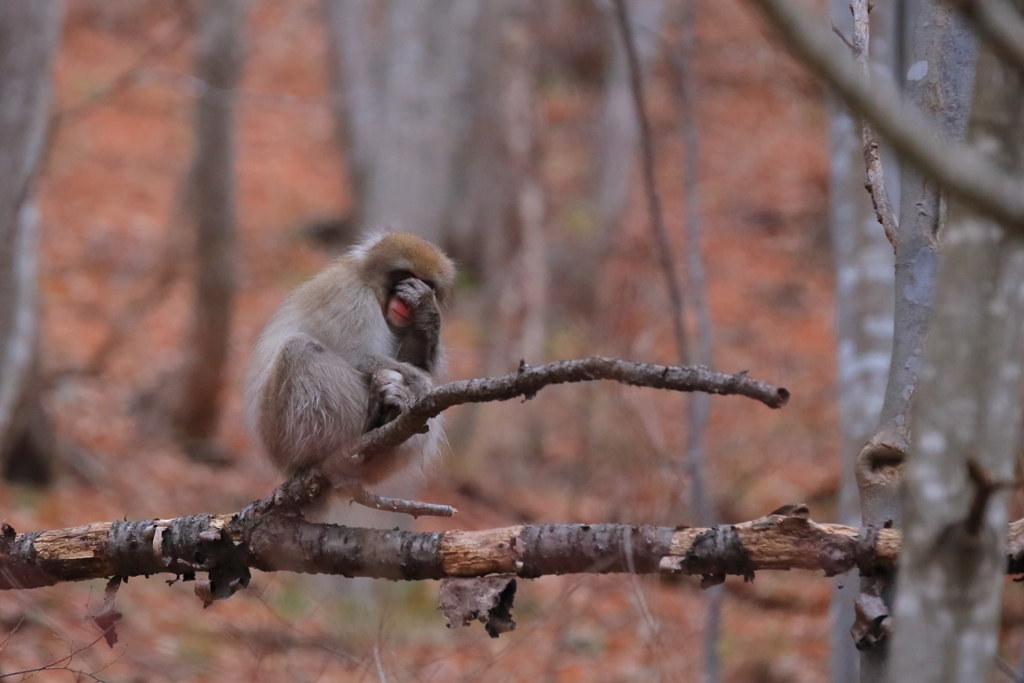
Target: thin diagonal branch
{"points": [[956, 165], [307, 486], [876, 182], [1001, 26], [654, 211]]}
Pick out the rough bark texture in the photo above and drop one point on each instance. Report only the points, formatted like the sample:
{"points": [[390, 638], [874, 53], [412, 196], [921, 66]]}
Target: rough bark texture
{"points": [[864, 309], [939, 82], [219, 60], [29, 31], [967, 417], [228, 545]]}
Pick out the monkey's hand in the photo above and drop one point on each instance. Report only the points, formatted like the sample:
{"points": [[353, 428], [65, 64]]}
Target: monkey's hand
{"points": [[416, 321], [414, 305], [393, 391]]}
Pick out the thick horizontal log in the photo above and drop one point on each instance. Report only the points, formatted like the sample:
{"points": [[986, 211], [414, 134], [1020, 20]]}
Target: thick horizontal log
{"points": [[226, 546]]}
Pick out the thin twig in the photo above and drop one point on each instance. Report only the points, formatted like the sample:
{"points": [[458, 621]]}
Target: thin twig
{"points": [[702, 351], [875, 184], [654, 212], [380, 669], [309, 485], [1006, 668], [842, 36], [406, 507], [64, 663]]}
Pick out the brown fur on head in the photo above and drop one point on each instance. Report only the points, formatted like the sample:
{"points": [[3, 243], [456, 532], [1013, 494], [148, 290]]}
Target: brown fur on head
{"points": [[388, 257]]}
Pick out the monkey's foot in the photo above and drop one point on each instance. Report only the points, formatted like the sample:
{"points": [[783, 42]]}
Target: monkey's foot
{"points": [[408, 507]]}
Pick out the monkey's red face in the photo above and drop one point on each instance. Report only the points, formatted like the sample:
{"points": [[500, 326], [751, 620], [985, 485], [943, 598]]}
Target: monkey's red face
{"points": [[399, 313], [407, 295]]}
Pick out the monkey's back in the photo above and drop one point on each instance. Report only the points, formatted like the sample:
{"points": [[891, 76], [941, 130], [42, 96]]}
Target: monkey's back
{"points": [[306, 391]]}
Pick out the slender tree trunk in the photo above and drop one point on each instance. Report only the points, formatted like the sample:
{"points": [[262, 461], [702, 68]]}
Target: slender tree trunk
{"points": [[950, 584], [401, 76], [504, 208], [939, 82], [219, 60], [864, 306], [356, 43], [698, 407], [617, 132], [29, 31]]}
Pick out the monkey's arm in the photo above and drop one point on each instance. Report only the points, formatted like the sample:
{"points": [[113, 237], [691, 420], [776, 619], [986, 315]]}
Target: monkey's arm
{"points": [[396, 383], [419, 341]]}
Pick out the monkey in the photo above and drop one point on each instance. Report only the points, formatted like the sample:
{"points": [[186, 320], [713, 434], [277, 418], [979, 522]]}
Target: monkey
{"points": [[348, 351]]}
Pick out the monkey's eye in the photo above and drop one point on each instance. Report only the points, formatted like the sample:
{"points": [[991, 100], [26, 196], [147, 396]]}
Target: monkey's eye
{"points": [[399, 275]]}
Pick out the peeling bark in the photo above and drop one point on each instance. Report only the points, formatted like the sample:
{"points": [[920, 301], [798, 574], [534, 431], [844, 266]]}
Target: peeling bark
{"points": [[226, 545]]}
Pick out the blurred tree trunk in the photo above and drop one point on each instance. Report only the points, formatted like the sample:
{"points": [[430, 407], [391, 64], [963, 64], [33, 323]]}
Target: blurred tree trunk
{"points": [[864, 304], [500, 206], [355, 44], [219, 61], [939, 83], [950, 585], [399, 86], [29, 31], [701, 349], [616, 137]]}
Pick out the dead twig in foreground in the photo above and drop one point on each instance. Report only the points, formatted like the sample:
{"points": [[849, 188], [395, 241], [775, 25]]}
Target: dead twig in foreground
{"points": [[309, 485]]}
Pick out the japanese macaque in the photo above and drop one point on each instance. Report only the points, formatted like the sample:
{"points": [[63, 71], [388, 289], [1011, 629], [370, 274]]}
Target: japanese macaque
{"points": [[347, 352]]}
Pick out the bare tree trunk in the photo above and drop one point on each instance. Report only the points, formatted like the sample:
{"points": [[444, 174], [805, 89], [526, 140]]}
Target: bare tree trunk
{"points": [[29, 31], [939, 82], [864, 308], [968, 416], [518, 72], [219, 60], [504, 207], [702, 350], [401, 75], [356, 42], [617, 133]]}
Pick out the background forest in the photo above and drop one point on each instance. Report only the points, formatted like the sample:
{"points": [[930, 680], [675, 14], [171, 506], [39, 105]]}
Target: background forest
{"points": [[200, 160]]}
